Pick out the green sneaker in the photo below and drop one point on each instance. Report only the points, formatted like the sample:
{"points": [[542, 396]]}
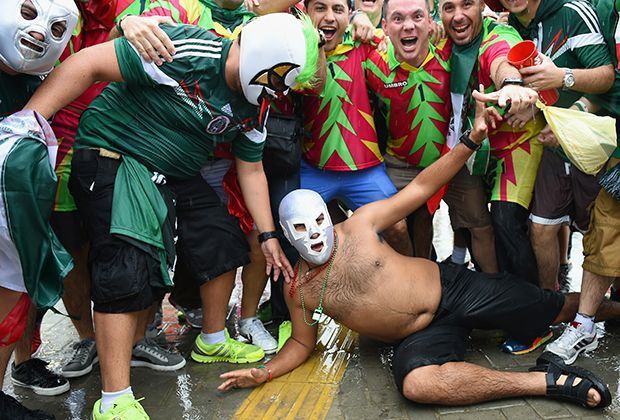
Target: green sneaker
{"points": [[230, 351], [125, 407], [284, 333]]}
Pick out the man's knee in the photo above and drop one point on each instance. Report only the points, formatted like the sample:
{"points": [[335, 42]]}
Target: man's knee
{"points": [[482, 233], [398, 237], [416, 386], [397, 233], [398, 230], [544, 234]]}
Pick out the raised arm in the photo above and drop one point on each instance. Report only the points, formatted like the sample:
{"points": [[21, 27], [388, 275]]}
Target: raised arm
{"points": [[74, 76], [384, 213]]}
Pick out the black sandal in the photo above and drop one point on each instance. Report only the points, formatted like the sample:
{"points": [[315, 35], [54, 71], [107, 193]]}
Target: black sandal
{"points": [[554, 367]]}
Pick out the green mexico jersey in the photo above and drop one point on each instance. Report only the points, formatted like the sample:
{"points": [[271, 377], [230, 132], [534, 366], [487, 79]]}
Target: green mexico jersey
{"points": [[15, 91], [609, 15], [171, 117], [570, 34]]}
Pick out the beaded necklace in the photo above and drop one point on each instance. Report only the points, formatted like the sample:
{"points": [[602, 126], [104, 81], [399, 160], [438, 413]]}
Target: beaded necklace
{"points": [[316, 315]]}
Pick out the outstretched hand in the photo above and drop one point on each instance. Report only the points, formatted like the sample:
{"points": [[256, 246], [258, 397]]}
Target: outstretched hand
{"points": [[243, 378], [520, 98], [276, 260], [487, 117]]}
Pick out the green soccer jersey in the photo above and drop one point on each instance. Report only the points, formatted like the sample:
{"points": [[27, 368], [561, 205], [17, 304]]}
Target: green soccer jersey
{"points": [[609, 15], [15, 91], [569, 32], [171, 117]]}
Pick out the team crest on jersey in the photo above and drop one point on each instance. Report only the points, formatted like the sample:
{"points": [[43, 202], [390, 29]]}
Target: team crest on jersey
{"points": [[218, 125]]}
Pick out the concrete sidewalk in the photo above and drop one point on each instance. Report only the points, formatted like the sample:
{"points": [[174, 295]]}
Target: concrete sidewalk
{"points": [[347, 378]]}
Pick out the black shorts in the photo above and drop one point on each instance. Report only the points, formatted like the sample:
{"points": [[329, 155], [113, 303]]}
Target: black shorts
{"points": [[122, 275], [476, 300], [210, 241], [69, 227], [562, 193]]}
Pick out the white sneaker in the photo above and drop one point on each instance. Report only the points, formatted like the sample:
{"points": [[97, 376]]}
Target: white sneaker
{"points": [[573, 341], [255, 331]]}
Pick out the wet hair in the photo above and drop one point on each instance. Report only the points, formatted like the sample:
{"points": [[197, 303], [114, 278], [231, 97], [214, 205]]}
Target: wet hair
{"points": [[387, 2]]}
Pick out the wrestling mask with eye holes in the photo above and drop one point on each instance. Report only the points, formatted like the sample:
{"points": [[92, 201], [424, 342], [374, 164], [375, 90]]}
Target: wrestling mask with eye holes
{"points": [[277, 52], [54, 20], [306, 223]]}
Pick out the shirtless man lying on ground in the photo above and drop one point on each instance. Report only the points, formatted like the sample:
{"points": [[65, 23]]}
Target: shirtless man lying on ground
{"points": [[348, 272]]}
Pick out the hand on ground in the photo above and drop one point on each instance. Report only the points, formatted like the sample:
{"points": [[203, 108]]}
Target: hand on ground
{"points": [[243, 378]]}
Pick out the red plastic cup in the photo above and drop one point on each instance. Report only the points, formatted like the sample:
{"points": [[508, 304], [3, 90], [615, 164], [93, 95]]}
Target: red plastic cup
{"points": [[549, 97], [523, 54]]}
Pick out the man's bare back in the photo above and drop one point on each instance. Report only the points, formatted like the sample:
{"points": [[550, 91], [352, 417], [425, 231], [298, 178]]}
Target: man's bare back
{"points": [[371, 288]]}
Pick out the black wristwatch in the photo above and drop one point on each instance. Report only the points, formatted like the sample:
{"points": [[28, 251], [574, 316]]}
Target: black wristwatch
{"points": [[512, 81], [467, 142], [265, 236]]}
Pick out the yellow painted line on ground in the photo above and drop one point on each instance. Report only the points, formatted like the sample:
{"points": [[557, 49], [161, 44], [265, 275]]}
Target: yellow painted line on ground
{"points": [[308, 391]]}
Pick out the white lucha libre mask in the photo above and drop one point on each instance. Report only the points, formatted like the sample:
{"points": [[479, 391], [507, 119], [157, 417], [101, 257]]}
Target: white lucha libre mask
{"points": [[272, 55], [307, 225], [24, 53]]}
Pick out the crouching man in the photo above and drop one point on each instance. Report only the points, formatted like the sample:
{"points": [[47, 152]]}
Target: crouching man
{"points": [[347, 271]]}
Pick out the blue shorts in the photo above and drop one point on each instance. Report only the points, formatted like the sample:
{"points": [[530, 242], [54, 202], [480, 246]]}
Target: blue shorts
{"points": [[354, 188]]}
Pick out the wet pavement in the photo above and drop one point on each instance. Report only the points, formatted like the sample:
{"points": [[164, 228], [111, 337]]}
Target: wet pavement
{"points": [[348, 376]]}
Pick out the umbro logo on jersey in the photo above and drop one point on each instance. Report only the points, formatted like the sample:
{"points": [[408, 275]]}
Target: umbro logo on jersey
{"points": [[395, 84], [218, 125], [226, 109]]}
